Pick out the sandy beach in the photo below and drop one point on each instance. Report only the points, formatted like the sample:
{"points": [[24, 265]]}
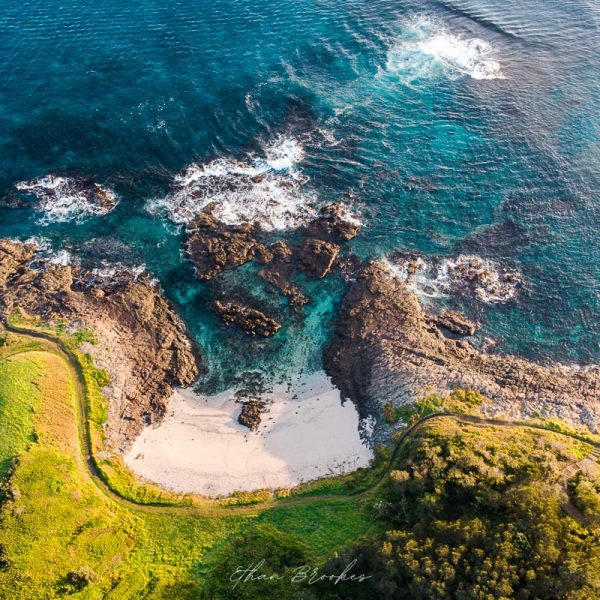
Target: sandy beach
{"points": [[201, 448]]}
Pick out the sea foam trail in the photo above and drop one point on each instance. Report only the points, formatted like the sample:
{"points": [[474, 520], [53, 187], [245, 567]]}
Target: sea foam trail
{"points": [[265, 189], [428, 47], [62, 199]]}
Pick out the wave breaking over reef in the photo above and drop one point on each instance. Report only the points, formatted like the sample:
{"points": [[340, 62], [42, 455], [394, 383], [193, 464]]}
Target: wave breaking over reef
{"points": [[428, 47], [62, 199], [265, 189], [483, 278]]}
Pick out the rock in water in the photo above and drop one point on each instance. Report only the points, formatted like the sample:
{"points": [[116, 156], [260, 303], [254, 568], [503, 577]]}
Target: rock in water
{"points": [[386, 348], [252, 321], [214, 246], [143, 344], [335, 223], [316, 257], [456, 323]]}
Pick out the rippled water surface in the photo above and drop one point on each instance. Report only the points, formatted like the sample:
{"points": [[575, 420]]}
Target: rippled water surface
{"points": [[450, 127]]}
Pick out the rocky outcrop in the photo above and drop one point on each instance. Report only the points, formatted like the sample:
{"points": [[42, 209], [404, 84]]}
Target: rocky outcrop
{"points": [[333, 224], [316, 257], [251, 320], [279, 274], [456, 323], [143, 344], [13, 257], [214, 246], [387, 348], [251, 414]]}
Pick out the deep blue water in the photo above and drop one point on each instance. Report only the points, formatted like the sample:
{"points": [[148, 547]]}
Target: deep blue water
{"points": [[386, 102]]}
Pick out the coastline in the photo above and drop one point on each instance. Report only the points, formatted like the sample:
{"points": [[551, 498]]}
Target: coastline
{"points": [[199, 447]]}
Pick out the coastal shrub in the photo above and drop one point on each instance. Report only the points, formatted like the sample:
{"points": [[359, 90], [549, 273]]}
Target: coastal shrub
{"points": [[80, 578], [85, 335], [257, 564], [3, 339], [390, 414], [476, 514], [101, 377], [458, 401], [585, 492]]}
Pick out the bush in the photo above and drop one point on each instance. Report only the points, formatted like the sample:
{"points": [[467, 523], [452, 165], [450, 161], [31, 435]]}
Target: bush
{"points": [[390, 414], [273, 552], [80, 578]]}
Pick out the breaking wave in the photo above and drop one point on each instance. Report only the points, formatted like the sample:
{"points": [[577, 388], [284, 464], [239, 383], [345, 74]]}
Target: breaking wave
{"points": [[429, 47], [482, 278], [265, 189], [62, 199]]}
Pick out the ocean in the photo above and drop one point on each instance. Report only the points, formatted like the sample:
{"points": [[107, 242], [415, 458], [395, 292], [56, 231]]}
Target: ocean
{"points": [[451, 129]]}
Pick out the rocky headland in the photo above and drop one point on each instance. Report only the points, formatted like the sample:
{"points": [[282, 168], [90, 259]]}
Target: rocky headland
{"points": [[143, 344], [388, 348]]}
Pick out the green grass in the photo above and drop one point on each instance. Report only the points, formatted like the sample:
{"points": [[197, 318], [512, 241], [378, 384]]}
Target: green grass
{"points": [[19, 397], [57, 523], [324, 527], [62, 534]]}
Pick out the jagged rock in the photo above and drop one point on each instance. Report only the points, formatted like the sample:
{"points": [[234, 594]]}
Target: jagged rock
{"points": [[13, 255], [316, 257], [143, 344], [251, 414], [279, 278], [214, 246], [456, 323], [386, 350], [282, 253], [252, 321], [334, 224]]}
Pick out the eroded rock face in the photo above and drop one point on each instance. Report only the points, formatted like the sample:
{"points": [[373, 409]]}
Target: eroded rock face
{"points": [[13, 257], [143, 344], [387, 348], [251, 320]]}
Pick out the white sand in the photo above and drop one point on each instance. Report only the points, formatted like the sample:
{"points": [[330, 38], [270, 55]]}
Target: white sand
{"points": [[201, 448]]}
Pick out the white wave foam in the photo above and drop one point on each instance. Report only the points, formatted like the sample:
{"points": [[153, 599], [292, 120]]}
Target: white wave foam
{"points": [[428, 46], [63, 199], [488, 281], [61, 258], [265, 189], [115, 272]]}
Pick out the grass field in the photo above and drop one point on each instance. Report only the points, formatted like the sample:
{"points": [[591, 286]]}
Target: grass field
{"points": [[66, 533], [61, 534]]}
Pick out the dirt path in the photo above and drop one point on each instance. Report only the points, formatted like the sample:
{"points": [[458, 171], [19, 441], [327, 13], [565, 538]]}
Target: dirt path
{"points": [[212, 507]]}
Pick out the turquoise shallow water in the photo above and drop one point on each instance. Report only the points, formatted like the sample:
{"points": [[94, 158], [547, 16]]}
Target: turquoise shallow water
{"points": [[449, 127]]}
